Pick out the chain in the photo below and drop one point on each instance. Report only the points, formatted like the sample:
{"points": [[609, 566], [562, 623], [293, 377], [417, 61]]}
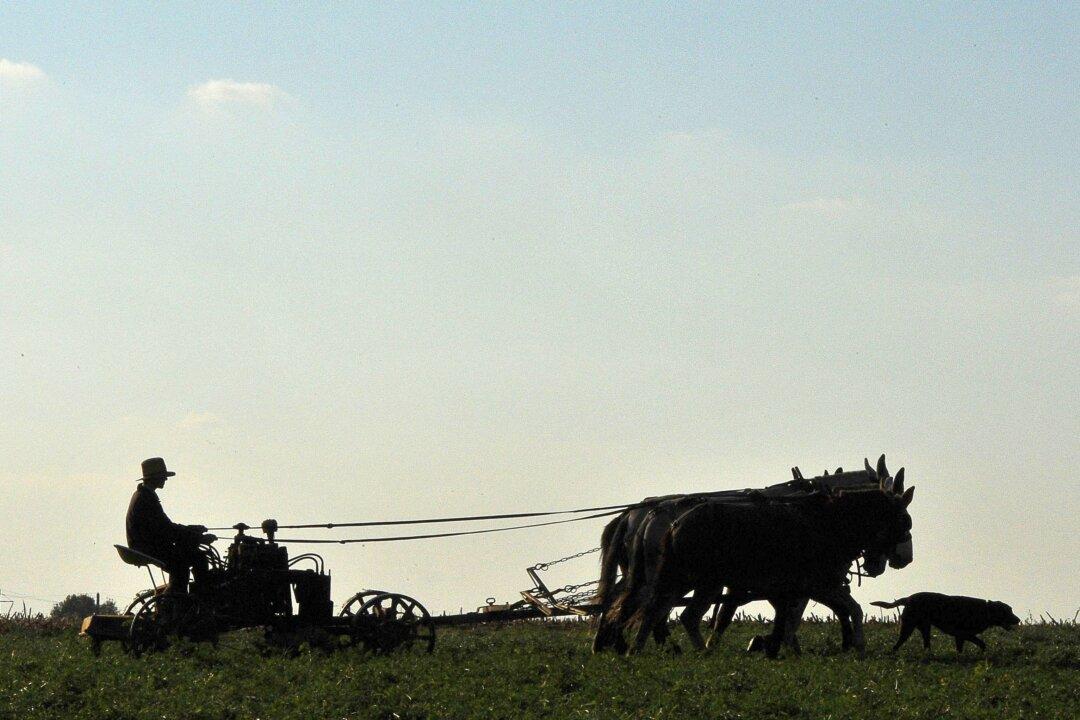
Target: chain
{"points": [[572, 588], [541, 567], [576, 597]]}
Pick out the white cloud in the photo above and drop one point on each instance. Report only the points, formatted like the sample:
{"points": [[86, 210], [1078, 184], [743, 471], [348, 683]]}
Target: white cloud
{"points": [[220, 94], [20, 73]]}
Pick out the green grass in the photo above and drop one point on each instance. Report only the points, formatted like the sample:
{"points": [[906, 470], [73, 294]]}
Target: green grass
{"points": [[546, 670]]}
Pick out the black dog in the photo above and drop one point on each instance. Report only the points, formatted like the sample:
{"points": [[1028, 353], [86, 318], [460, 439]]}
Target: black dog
{"points": [[959, 616]]}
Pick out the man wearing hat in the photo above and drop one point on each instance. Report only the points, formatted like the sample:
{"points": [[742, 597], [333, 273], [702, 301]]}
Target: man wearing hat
{"points": [[150, 531]]}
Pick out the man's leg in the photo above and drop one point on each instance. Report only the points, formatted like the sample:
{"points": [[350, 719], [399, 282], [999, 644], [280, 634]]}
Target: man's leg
{"points": [[180, 562], [177, 566], [193, 559]]}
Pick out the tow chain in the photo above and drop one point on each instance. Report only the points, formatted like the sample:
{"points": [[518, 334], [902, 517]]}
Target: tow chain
{"points": [[541, 567], [572, 596]]}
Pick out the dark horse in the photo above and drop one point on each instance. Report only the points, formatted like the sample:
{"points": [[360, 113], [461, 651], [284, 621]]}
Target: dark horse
{"points": [[637, 532], [782, 550]]}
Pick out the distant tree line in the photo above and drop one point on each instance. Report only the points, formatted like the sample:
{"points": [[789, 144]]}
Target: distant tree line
{"points": [[79, 606]]}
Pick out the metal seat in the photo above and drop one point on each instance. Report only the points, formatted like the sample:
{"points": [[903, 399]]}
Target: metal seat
{"points": [[136, 558], [141, 559]]}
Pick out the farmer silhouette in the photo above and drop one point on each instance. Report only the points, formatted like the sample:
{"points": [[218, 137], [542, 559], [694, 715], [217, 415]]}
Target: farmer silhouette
{"points": [[150, 531]]}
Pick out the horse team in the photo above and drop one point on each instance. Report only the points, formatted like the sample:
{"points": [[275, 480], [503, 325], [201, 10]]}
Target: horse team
{"points": [[786, 544]]}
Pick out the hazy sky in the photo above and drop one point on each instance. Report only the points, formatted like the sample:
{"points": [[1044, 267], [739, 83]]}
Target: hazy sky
{"points": [[381, 261]]}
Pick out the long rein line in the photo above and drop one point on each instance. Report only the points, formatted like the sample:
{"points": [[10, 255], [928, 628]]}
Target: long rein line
{"points": [[460, 518], [734, 496], [731, 494], [425, 536]]}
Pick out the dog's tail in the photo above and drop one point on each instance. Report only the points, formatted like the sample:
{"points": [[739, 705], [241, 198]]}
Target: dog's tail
{"points": [[893, 604]]}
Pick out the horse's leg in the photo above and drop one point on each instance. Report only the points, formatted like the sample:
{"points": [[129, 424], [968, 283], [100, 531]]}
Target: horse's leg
{"points": [[840, 610], [620, 618], [654, 609], [661, 633], [604, 624], [725, 612], [692, 614], [850, 615], [605, 631], [776, 637], [793, 620], [855, 615], [619, 643], [847, 634], [649, 617]]}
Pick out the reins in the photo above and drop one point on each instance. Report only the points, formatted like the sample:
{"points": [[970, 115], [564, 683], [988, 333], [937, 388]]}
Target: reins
{"points": [[396, 538], [461, 518]]}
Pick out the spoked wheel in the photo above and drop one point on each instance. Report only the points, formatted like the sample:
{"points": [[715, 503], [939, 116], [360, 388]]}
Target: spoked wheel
{"points": [[163, 616], [133, 609], [155, 619], [137, 603], [357, 601], [389, 622]]}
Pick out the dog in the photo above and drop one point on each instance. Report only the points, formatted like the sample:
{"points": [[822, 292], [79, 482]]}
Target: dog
{"points": [[962, 617]]}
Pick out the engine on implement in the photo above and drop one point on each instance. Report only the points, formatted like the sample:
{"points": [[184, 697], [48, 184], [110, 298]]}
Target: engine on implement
{"points": [[256, 584]]}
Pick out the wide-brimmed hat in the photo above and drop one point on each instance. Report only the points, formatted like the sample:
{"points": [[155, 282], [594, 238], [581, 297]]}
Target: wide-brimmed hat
{"points": [[154, 468]]}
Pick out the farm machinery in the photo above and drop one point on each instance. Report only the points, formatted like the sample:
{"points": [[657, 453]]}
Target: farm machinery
{"points": [[257, 585], [254, 586]]}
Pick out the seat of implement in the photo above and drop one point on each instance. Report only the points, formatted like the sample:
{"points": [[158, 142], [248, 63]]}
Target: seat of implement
{"points": [[136, 558]]}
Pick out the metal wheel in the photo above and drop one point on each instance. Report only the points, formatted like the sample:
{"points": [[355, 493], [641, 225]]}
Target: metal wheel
{"points": [[357, 601], [133, 609], [154, 621], [389, 622], [138, 602]]}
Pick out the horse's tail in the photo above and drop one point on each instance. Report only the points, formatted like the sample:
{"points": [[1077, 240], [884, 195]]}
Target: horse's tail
{"points": [[893, 604], [611, 547], [660, 576], [635, 575]]}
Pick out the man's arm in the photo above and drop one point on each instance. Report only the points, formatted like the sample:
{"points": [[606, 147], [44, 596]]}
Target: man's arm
{"points": [[162, 526]]}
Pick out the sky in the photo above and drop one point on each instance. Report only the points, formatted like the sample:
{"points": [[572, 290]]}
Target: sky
{"points": [[347, 263]]}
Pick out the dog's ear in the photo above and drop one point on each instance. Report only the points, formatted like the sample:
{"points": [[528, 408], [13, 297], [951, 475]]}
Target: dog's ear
{"points": [[898, 484], [908, 494]]}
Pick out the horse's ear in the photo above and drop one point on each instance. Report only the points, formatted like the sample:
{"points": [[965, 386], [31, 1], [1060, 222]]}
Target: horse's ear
{"points": [[839, 470], [898, 484], [882, 471], [796, 473], [908, 494], [826, 473], [869, 470]]}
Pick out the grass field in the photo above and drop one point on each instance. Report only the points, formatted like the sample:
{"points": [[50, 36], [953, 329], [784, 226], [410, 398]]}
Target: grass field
{"points": [[546, 670]]}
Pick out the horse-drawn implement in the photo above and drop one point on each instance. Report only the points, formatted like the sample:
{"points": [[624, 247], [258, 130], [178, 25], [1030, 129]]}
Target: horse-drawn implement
{"points": [[257, 585]]}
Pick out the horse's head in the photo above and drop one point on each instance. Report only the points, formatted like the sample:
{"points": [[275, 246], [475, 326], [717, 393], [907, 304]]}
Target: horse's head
{"points": [[892, 545], [891, 527]]}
